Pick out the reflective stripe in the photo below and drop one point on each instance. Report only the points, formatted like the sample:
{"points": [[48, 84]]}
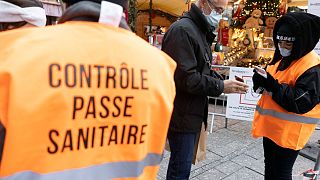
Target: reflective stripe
{"points": [[286, 116], [96, 172]]}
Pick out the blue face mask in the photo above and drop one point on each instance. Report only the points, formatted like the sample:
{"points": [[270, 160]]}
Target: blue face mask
{"points": [[284, 52], [213, 19]]}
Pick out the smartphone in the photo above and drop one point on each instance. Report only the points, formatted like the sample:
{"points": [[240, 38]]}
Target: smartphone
{"points": [[239, 79], [261, 71]]}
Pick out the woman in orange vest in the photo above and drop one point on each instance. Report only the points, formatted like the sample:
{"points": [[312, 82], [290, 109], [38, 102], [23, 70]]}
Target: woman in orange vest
{"points": [[288, 111], [17, 14], [82, 100]]}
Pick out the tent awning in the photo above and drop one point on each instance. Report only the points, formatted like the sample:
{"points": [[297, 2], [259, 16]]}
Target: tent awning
{"points": [[173, 7], [298, 3]]}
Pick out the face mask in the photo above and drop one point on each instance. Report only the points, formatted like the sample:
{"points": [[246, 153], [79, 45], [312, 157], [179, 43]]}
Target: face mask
{"points": [[213, 19], [284, 52]]}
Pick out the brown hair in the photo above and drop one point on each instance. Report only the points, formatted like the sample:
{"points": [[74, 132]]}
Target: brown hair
{"points": [[25, 3]]}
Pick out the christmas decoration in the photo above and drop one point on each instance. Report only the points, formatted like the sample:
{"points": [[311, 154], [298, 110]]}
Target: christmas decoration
{"points": [[234, 56], [254, 21], [270, 22], [224, 32], [237, 13], [250, 63], [269, 8]]}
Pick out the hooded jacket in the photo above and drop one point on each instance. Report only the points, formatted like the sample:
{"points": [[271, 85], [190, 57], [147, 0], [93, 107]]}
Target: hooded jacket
{"points": [[188, 41], [81, 11], [119, 82], [86, 11], [305, 95]]}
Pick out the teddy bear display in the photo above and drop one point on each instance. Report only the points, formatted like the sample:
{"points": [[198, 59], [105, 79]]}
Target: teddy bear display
{"points": [[268, 32], [270, 22], [254, 21]]}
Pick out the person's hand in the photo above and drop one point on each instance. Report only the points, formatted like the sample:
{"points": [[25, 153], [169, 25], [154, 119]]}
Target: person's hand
{"points": [[258, 81], [269, 83], [234, 86]]}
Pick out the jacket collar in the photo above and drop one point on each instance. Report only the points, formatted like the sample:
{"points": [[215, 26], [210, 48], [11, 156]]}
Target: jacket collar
{"points": [[196, 15], [86, 11]]}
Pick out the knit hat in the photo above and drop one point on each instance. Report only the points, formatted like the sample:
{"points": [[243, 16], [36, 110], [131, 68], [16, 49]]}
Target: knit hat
{"points": [[123, 3], [285, 33]]}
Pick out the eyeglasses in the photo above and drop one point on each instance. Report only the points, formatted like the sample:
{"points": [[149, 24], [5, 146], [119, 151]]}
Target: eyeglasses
{"points": [[219, 10]]}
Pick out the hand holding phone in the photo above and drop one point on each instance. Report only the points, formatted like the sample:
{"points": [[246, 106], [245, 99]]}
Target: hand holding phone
{"points": [[239, 79], [261, 71]]}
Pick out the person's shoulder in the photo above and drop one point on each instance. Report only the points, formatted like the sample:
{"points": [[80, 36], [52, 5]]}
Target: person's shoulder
{"points": [[15, 39], [184, 26], [183, 23]]}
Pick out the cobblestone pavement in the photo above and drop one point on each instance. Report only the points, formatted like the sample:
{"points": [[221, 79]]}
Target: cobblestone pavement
{"points": [[232, 154]]}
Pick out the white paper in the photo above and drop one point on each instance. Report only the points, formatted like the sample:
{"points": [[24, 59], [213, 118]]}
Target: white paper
{"points": [[242, 106], [314, 8], [110, 13]]}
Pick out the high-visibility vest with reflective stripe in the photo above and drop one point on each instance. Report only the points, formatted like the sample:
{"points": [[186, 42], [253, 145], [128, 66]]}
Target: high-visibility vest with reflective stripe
{"points": [[84, 101], [286, 129]]}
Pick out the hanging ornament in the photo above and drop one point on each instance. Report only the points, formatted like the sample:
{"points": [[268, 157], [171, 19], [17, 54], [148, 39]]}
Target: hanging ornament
{"points": [[237, 14], [254, 5], [283, 7]]}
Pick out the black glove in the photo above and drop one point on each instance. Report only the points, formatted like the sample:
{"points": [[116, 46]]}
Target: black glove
{"points": [[269, 83], [258, 80]]}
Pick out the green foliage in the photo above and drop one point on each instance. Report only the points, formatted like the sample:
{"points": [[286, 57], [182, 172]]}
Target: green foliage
{"points": [[132, 14]]}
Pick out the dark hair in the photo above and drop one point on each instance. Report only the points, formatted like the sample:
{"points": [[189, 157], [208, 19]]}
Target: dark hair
{"points": [[25, 3]]}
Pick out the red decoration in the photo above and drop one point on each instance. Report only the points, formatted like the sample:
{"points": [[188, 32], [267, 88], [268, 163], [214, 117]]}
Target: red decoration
{"points": [[223, 36], [237, 14]]}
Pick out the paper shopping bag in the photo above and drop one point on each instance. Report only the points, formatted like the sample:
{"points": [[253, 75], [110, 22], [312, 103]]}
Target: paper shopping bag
{"points": [[167, 145], [199, 153]]}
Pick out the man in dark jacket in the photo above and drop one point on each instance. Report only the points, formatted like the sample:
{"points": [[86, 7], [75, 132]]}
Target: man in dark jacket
{"points": [[188, 41]]}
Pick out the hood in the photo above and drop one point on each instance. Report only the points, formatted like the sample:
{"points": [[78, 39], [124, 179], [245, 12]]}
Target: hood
{"points": [[306, 28], [86, 11], [123, 3]]}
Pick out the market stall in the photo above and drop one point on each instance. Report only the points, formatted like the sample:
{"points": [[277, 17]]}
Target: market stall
{"points": [[245, 38], [155, 16]]}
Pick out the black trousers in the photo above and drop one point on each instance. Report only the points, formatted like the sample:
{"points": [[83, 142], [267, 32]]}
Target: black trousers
{"points": [[278, 161]]}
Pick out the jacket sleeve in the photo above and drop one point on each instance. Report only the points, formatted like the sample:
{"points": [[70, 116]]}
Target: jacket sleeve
{"points": [[304, 96], [181, 47]]}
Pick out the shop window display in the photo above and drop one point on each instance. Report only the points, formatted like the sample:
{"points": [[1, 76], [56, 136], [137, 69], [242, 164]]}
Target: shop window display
{"points": [[248, 41]]}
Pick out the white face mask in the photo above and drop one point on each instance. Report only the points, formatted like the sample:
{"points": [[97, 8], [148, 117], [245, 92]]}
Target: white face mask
{"points": [[213, 19], [284, 52]]}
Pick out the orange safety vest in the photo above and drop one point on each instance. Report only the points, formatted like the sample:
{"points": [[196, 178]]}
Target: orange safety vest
{"points": [[83, 100], [286, 129]]}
